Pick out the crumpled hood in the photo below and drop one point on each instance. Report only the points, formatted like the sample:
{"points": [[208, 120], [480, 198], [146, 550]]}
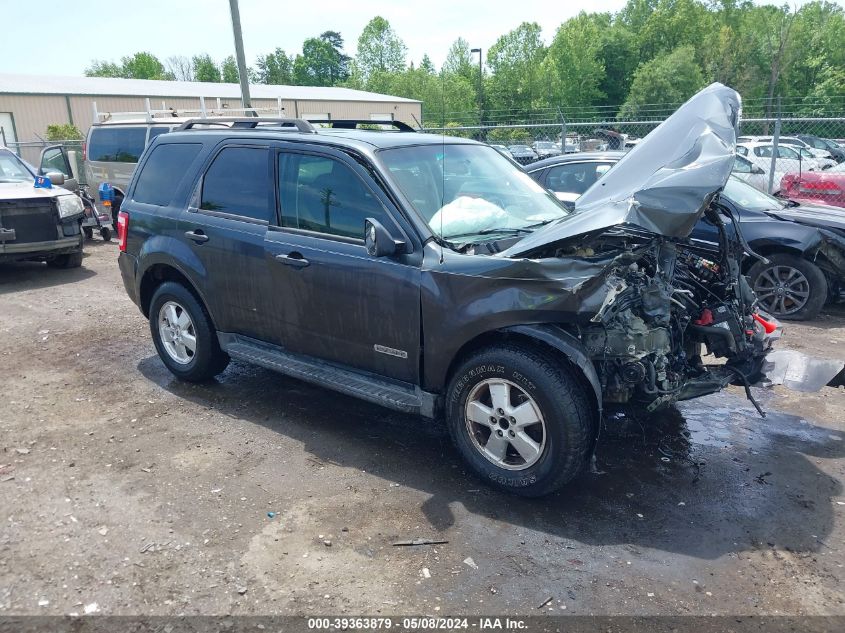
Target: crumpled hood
{"points": [[665, 182], [22, 190], [821, 216]]}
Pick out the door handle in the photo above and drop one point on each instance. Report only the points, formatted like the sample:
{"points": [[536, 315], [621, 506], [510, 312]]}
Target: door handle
{"points": [[293, 259], [198, 236]]}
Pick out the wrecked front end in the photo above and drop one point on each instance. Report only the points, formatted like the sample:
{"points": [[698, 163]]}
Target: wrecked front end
{"points": [[665, 306]]}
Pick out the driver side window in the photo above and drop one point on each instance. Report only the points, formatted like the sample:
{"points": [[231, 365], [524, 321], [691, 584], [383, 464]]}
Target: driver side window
{"points": [[321, 194]]}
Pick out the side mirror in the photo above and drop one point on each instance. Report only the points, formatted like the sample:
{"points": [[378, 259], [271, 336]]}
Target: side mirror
{"points": [[379, 241], [757, 170], [56, 178]]}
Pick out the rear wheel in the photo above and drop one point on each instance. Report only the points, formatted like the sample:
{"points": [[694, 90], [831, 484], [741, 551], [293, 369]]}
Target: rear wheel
{"points": [[88, 231], [789, 287], [520, 419], [184, 335], [71, 260], [105, 233]]}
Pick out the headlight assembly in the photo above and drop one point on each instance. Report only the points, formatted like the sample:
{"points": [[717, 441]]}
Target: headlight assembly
{"points": [[69, 206]]}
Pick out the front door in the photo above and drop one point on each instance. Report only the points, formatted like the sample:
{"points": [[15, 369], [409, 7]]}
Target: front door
{"points": [[334, 301]]}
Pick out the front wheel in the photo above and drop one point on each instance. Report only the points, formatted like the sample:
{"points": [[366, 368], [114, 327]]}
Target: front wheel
{"points": [[184, 335], [520, 419], [789, 287]]}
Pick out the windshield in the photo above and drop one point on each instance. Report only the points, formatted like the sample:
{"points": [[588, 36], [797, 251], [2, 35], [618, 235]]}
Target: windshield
{"points": [[469, 190], [12, 168], [747, 197]]}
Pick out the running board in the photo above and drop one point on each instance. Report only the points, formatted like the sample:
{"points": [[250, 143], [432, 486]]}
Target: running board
{"points": [[358, 384]]}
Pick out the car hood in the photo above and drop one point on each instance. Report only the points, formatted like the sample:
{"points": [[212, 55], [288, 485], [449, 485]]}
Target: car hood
{"points": [[665, 182], [818, 215], [21, 190]]}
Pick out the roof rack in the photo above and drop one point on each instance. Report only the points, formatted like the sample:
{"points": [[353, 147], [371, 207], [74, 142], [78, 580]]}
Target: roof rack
{"points": [[151, 115], [352, 124], [250, 123]]}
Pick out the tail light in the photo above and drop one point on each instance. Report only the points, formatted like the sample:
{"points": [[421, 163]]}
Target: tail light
{"points": [[122, 230], [820, 187]]}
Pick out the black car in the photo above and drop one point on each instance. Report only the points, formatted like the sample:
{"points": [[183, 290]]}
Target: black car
{"points": [[38, 223], [804, 245], [522, 154], [835, 150], [434, 277]]}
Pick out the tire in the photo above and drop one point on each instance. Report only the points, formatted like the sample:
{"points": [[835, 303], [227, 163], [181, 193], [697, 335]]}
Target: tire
{"points": [[71, 260], [799, 277], [105, 233], [88, 231], [562, 441], [206, 359]]}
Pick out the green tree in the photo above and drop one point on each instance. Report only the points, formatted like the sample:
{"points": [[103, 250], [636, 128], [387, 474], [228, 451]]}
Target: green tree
{"points": [[334, 39], [514, 61], [573, 67], [229, 70], [274, 68], [459, 60], [669, 78], [318, 65], [144, 66], [379, 50], [103, 69], [63, 132], [205, 69]]}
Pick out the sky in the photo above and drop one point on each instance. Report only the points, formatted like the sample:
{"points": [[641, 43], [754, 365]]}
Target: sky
{"points": [[56, 41], [110, 29]]}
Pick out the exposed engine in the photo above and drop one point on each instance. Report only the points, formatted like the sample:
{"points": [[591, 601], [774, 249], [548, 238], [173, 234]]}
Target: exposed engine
{"points": [[664, 310]]}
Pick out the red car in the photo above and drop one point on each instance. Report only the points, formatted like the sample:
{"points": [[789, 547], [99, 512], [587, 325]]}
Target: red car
{"points": [[826, 187]]}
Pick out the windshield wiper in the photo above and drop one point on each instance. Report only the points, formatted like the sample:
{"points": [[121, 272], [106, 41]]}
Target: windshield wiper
{"points": [[504, 229]]}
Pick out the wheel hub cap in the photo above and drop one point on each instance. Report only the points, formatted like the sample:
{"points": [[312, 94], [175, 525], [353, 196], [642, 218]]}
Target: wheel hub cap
{"points": [[505, 424], [782, 289], [177, 333]]}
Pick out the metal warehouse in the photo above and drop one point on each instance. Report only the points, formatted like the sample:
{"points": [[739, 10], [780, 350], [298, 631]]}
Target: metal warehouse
{"points": [[29, 103]]}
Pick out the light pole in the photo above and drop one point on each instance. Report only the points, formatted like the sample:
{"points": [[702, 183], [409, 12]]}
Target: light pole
{"points": [[480, 90], [239, 53]]}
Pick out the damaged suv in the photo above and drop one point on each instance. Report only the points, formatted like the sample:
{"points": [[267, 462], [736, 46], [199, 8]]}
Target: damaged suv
{"points": [[432, 276]]}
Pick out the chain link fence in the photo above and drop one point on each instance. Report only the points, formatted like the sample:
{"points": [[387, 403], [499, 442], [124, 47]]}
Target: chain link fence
{"points": [[777, 153]]}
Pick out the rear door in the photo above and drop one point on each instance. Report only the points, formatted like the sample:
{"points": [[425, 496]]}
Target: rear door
{"points": [[226, 226], [333, 301]]}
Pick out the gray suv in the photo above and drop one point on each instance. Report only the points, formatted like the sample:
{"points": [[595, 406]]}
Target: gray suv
{"points": [[435, 277]]}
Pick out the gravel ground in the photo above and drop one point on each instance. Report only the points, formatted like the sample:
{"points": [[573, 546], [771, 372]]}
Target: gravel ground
{"points": [[123, 491]]}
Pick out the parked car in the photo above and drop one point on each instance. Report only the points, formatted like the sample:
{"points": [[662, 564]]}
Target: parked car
{"points": [[805, 246], [788, 159], [522, 154], [753, 174], [545, 149], [431, 276], [825, 187], [793, 141], [836, 151], [38, 223]]}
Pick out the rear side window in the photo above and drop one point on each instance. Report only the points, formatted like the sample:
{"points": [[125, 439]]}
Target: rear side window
{"points": [[117, 144], [238, 182], [155, 131], [163, 172]]}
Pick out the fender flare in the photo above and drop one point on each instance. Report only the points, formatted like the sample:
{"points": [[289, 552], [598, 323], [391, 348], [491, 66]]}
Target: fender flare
{"points": [[558, 338]]}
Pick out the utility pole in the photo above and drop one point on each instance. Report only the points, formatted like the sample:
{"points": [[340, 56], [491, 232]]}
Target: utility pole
{"points": [[246, 101], [480, 91]]}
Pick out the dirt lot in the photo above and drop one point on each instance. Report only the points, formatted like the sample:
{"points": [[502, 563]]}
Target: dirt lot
{"points": [[123, 491]]}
